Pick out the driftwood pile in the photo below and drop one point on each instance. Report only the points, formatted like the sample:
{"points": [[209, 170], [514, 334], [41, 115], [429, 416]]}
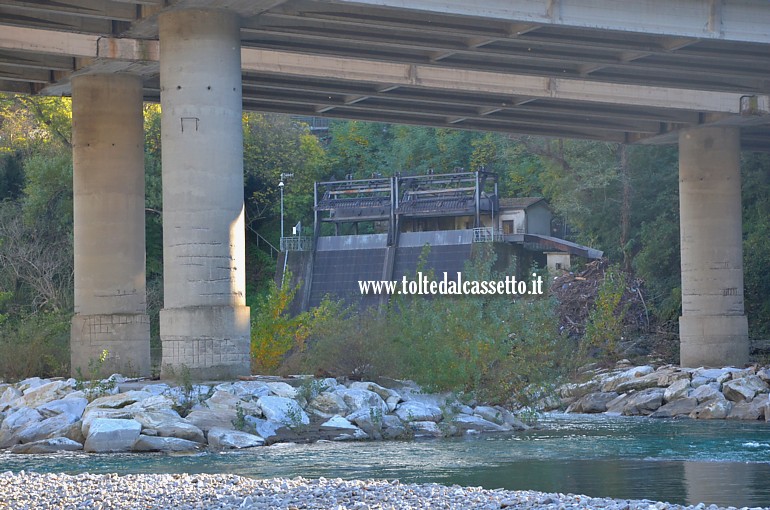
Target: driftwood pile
{"points": [[576, 294]]}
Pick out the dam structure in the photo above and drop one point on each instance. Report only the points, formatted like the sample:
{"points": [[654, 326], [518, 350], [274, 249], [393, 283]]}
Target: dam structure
{"points": [[388, 229]]}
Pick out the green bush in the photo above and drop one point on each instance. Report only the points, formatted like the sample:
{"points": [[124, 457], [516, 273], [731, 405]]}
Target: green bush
{"points": [[605, 322], [493, 347], [35, 345]]}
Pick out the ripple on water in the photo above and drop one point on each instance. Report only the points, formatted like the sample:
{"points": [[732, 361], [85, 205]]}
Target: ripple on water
{"points": [[681, 461]]}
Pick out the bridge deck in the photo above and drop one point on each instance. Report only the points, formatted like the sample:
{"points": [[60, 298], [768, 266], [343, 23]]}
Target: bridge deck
{"points": [[599, 69]]}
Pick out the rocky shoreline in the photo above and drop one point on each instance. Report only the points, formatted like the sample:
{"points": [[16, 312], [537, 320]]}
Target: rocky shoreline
{"points": [[120, 415], [220, 492], [671, 392], [123, 415]]}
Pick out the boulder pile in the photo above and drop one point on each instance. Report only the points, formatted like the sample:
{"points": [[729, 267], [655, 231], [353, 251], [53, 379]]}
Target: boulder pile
{"points": [[118, 415], [673, 392]]}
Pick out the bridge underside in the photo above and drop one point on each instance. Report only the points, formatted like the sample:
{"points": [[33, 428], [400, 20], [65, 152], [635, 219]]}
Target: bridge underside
{"points": [[565, 68], [693, 72]]}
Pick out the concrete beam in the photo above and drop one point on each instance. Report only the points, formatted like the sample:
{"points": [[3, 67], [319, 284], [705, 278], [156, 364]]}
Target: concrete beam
{"points": [[392, 75], [737, 20], [49, 42], [100, 9], [451, 79]]}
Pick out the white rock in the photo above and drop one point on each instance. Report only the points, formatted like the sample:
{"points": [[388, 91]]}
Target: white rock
{"points": [[413, 410], [153, 403], [146, 443], [206, 419], [706, 392], [47, 392], [282, 389], [715, 409], [679, 389], [283, 410], [8, 398], [71, 406], [744, 389], [489, 413], [225, 438], [246, 390], [338, 422], [119, 400], [392, 428], [156, 389], [328, 404], [168, 423], [611, 383], [264, 428], [678, 407], [52, 445], [14, 422], [329, 384], [356, 435], [578, 390], [392, 403], [30, 383], [223, 400], [592, 403], [465, 422], [643, 402], [369, 420], [55, 426], [98, 412], [384, 393], [753, 410], [357, 398], [112, 435], [425, 429]]}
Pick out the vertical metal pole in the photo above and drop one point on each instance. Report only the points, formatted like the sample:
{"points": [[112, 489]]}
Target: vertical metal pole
{"points": [[280, 185], [315, 210], [478, 199]]}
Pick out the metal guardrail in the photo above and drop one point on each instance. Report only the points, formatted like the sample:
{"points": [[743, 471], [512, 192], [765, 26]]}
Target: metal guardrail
{"points": [[487, 235], [296, 243]]}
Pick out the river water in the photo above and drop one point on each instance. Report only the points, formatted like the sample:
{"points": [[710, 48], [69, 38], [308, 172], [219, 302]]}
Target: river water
{"points": [[679, 461]]}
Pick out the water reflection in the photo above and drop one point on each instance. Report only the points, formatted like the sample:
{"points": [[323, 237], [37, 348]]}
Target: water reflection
{"points": [[726, 463]]}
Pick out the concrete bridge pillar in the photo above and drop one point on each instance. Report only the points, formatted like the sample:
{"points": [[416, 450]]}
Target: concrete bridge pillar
{"points": [[713, 329], [109, 243], [205, 324]]}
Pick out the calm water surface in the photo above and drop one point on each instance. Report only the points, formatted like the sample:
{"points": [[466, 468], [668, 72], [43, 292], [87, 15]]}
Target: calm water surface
{"points": [[682, 461]]}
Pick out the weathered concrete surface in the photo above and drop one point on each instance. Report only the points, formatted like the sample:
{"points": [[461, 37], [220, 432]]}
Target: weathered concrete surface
{"points": [[713, 329], [109, 240], [204, 324]]}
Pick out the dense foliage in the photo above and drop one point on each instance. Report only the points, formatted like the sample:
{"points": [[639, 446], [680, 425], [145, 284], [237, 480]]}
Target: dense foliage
{"points": [[620, 199]]}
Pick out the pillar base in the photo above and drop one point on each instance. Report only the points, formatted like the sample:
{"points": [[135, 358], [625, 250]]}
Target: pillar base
{"points": [[713, 340], [125, 337], [212, 342]]}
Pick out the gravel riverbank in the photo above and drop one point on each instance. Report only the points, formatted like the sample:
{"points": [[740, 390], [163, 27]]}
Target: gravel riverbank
{"points": [[88, 491]]}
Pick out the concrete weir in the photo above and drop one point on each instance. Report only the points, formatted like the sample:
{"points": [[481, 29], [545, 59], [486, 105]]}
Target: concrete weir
{"points": [[205, 324], [109, 241], [713, 329]]}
